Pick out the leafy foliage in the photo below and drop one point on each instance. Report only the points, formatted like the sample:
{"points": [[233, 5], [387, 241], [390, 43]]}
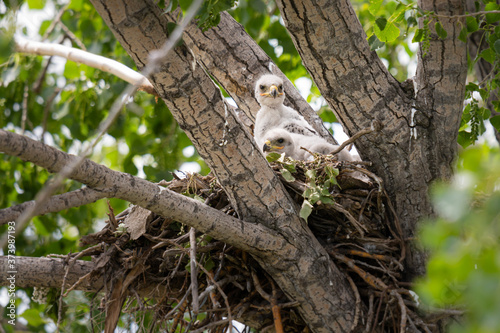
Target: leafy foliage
{"points": [[464, 241], [66, 102], [62, 103]]}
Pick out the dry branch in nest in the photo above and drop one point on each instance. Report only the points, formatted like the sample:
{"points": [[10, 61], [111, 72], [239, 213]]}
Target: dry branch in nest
{"points": [[190, 282]]}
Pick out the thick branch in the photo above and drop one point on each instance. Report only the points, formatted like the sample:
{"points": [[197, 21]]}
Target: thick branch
{"points": [[57, 203], [441, 75], [83, 57], [249, 237], [418, 142], [333, 48], [199, 108], [47, 272]]}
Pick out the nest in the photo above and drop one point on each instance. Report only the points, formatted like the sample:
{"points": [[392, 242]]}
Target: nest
{"points": [[350, 214]]}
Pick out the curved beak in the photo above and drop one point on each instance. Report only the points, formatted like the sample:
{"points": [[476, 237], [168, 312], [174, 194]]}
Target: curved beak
{"points": [[273, 91], [269, 147]]}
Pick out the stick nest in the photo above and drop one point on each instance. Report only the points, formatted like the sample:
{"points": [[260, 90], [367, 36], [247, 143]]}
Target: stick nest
{"points": [[145, 259]]}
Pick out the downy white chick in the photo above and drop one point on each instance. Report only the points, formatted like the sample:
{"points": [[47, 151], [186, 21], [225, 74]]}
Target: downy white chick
{"points": [[280, 141], [273, 113]]}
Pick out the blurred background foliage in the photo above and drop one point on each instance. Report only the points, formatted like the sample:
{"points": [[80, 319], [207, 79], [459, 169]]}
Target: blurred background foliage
{"points": [[62, 103], [464, 242]]}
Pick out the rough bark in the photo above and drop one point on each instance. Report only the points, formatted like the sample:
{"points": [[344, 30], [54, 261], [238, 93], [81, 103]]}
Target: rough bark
{"points": [[236, 61], [47, 272], [418, 142], [254, 238], [199, 108], [256, 193], [296, 261]]}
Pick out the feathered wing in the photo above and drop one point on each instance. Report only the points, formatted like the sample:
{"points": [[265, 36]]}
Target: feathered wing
{"points": [[281, 117], [273, 113]]}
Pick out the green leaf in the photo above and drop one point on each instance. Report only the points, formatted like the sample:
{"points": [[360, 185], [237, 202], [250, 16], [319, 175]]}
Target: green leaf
{"points": [[465, 139], [494, 17], [326, 200], [325, 113], [381, 23], [411, 21], [374, 6], [496, 46], [6, 45], [495, 121], [185, 4], [488, 55], [314, 197], [472, 24], [331, 171], [287, 175], [311, 174], [72, 70], [290, 167], [273, 157], [36, 4], [419, 35], [440, 30], [462, 36], [308, 192], [33, 317], [374, 43], [306, 210]]}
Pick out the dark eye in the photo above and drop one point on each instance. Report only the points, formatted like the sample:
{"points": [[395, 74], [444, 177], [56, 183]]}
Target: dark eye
{"points": [[262, 87], [281, 140], [280, 88]]}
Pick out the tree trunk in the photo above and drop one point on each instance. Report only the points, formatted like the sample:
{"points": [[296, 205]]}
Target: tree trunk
{"points": [[302, 269], [421, 117]]}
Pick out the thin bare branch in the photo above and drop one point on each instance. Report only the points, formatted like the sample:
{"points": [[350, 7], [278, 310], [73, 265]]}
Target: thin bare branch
{"points": [[55, 204], [194, 270]]}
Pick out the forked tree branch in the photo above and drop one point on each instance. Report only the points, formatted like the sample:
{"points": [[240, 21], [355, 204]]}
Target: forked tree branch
{"points": [[255, 239]]}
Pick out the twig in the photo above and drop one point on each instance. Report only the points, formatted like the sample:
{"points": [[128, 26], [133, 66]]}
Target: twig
{"points": [[402, 307], [370, 313], [381, 300], [259, 288], [194, 270], [215, 323], [367, 277], [84, 253], [54, 22], [275, 308], [223, 294], [24, 115], [375, 126], [359, 227], [72, 36], [468, 15], [278, 323], [358, 303]]}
